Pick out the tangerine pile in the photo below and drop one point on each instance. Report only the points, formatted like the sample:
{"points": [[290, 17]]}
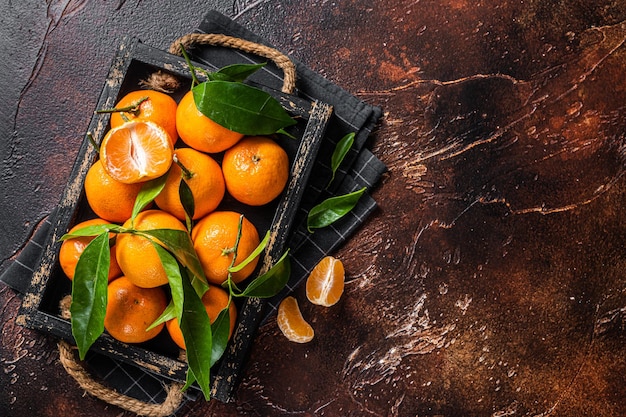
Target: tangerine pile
{"points": [[151, 136]]}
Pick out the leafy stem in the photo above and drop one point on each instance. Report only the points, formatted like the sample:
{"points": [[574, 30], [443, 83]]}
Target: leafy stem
{"points": [[235, 247], [187, 174], [91, 140], [226, 100], [192, 68], [132, 108]]}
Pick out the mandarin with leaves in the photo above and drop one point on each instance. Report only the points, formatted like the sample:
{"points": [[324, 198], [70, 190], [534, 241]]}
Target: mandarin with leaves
{"points": [[214, 238], [131, 310], [136, 255], [147, 105], [200, 132], [215, 299], [72, 248], [108, 198], [203, 176]]}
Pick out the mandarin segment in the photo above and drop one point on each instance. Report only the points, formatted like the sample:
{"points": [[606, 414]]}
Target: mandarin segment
{"points": [[214, 301], [72, 248], [108, 198], [136, 151], [204, 177], [148, 105], [132, 309], [214, 238], [200, 132], [138, 259], [256, 170], [324, 285], [291, 323]]}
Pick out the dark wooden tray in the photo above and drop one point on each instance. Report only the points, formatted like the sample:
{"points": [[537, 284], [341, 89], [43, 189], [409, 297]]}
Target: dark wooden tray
{"points": [[40, 308]]}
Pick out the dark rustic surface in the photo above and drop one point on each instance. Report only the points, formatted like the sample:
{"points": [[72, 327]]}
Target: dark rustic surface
{"points": [[492, 280]]}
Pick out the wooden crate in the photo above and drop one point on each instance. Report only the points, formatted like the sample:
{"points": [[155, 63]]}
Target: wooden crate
{"points": [[40, 308]]}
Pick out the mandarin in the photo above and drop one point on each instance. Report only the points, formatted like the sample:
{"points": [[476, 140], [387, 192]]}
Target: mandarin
{"points": [[72, 248], [214, 237], [138, 259], [324, 285], [136, 152], [291, 323], [108, 198], [132, 309], [256, 170], [204, 177], [200, 132], [147, 105], [215, 300]]}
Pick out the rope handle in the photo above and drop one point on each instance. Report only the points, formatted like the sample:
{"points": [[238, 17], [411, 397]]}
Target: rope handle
{"points": [[168, 407], [217, 39], [170, 404]]}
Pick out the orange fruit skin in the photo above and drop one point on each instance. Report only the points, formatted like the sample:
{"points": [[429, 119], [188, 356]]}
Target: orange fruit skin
{"points": [[214, 235], [108, 198], [206, 184], [214, 300], [136, 151], [256, 170], [325, 283], [131, 309], [200, 132], [71, 249], [158, 108], [291, 323], [138, 259]]}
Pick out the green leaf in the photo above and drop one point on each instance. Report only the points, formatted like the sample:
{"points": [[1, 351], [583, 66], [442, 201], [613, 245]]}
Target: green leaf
{"points": [[192, 68], [89, 293], [256, 252], [340, 152], [174, 278], [186, 199], [232, 288], [189, 379], [270, 283], [284, 132], [196, 328], [332, 209], [93, 143], [93, 230], [220, 330], [235, 72], [148, 192], [241, 108], [168, 314], [175, 308], [180, 245]]}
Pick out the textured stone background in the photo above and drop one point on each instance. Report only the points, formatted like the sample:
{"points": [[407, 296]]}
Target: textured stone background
{"points": [[491, 282]]}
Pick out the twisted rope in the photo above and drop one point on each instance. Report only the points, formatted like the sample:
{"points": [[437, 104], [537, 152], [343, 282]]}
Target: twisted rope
{"points": [[172, 401], [216, 39]]}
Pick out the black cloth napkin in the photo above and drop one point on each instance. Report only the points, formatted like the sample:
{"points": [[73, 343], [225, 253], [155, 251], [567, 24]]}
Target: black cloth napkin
{"points": [[359, 169]]}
